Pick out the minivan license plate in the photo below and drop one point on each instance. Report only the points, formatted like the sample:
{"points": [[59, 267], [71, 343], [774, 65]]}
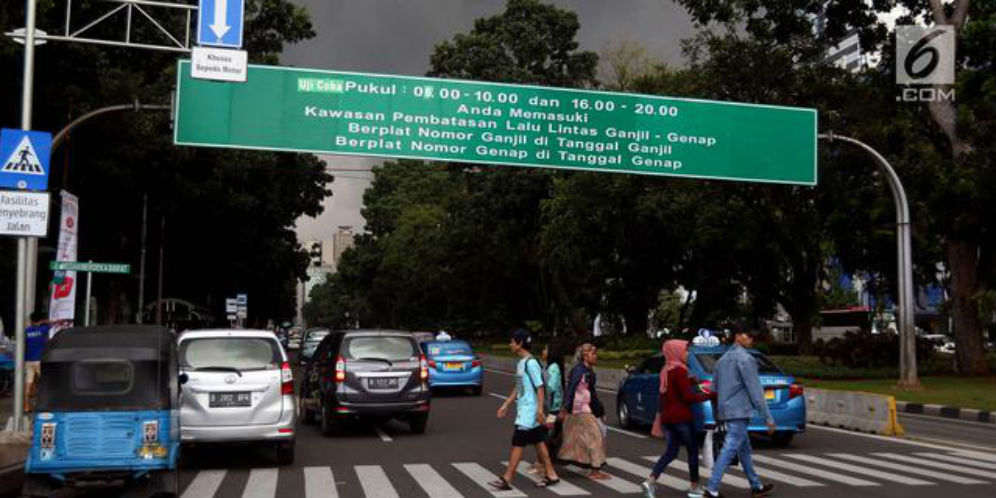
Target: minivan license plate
{"points": [[227, 400], [382, 382]]}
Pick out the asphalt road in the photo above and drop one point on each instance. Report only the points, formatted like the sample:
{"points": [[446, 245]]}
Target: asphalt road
{"points": [[465, 446]]}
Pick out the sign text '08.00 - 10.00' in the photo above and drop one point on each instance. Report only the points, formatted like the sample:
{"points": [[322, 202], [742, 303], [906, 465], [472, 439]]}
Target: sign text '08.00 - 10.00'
{"points": [[292, 109]]}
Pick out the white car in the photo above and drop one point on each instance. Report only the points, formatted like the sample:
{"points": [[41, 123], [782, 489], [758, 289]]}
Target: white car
{"points": [[237, 386]]}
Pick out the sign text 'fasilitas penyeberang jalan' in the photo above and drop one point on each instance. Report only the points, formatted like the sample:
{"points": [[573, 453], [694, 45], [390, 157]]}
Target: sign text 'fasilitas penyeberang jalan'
{"points": [[291, 109]]}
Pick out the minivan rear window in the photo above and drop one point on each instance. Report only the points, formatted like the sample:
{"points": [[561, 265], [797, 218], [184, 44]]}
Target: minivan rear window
{"points": [[379, 348], [764, 365], [243, 353]]}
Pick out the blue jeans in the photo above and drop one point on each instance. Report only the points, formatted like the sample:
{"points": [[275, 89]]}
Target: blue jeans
{"points": [[736, 443], [679, 435]]}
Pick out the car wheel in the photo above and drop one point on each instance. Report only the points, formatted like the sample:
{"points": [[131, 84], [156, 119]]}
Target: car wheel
{"points": [[477, 390], [782, 439], [622, 413], [418, 423], [285, 453], [328, 425]]}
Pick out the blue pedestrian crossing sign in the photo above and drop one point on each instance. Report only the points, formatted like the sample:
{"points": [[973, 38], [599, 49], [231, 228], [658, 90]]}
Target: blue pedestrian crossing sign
{"points": [[219, 23], [25, 156]]}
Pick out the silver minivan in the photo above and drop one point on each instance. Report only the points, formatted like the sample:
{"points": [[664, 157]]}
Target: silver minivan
{"points": [[237, 387]]}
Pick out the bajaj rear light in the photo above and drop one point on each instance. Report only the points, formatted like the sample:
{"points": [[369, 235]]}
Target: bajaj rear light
{"points": [[795, 390], [286, 379], [340, 369], [423, 369], [48, 435], [150, 432]]}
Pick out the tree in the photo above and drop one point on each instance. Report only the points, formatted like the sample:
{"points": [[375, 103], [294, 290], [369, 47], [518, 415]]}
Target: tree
{"points": [[229, 215]]}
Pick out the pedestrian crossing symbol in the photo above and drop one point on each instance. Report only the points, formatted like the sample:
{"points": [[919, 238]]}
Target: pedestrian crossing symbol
{"points": [[25, 156]]}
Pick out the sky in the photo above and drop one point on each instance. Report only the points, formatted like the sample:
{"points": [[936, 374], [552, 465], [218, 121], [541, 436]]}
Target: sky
{"points": [[398, 37]]}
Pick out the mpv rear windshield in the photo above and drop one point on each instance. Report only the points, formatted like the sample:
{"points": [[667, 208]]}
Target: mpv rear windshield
{"points": [[764, 365], [379, 348], [243, 353]]}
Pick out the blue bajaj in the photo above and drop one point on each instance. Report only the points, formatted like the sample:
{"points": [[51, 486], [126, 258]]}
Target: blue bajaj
{"points": [[107, 414], [453, 364]]}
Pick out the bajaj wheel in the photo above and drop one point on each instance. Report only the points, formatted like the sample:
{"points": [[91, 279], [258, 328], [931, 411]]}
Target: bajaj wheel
{"points": [[418, 423], [477, 390]]}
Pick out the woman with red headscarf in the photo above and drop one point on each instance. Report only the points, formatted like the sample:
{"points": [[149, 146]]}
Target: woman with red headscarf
{"points": [[678, 393]]}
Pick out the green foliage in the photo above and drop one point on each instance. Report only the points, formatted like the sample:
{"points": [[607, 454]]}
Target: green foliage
{"points": [[867, 350]]}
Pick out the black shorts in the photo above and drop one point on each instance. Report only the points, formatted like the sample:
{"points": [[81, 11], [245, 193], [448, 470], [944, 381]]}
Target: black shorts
{"points": [[528, 437]]}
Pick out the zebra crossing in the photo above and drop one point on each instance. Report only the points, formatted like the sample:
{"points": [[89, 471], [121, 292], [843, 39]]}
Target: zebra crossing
{"points": [[468, 479]]}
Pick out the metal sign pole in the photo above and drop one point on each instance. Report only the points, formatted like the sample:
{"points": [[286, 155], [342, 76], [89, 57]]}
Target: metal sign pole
{"points": [[89, 286], [22, 242]]}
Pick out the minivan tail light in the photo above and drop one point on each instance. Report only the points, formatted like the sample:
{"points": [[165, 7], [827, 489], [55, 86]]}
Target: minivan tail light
{"points": [[286, 378], [340, 369], [795, 390], [424, 369]]}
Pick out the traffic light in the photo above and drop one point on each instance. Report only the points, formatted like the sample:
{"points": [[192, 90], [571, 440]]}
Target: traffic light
{"points": [[315, 253]]}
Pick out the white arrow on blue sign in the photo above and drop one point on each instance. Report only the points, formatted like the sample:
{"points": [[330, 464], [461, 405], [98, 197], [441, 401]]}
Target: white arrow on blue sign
{"points": [[25, 156], [219, 23]]}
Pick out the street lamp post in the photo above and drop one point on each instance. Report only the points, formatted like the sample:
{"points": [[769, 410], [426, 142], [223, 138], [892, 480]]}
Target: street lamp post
{"points": [[908, 377]]}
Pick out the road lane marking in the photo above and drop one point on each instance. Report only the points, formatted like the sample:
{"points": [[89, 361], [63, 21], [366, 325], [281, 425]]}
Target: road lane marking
{"points": [[728, 478], [319, 483], [906, 468], [205, 484], [802, 469], [383, 435], [937, 465], [986, 457], [644, 472], [483, 476], [564, 488], [765, 472], [430, 480], [957, 459], [615, 483], [262, 484], [891, 439], [496, 395], [622, 431], [885, 476], [374, 482]]}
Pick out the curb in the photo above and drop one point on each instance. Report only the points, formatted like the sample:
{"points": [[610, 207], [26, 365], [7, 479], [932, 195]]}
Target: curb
{"points": [[943, 411]]}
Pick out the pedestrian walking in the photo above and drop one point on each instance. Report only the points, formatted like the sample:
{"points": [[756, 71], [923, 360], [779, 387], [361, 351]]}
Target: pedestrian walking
{"points": [[528, 395], [738, 387], [35, 336], [677, 394], [584, 424], [553, 380]]}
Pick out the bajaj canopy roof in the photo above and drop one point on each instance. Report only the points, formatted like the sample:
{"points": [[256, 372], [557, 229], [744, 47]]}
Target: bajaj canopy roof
{"points": [[126, 342]]}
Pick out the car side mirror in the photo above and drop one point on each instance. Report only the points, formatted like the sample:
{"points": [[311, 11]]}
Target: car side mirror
{"points": [[183, 378]]}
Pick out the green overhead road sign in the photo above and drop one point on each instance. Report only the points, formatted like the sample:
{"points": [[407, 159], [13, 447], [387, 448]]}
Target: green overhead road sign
{"points": [[304, 110], [90, 267]]}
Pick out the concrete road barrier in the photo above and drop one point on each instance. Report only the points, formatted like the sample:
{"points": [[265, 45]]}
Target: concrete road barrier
{"points": [[865, 412]]}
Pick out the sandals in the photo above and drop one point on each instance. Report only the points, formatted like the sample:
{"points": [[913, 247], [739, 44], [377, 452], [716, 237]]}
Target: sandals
{"points": [[500, 485], [547, 482]]}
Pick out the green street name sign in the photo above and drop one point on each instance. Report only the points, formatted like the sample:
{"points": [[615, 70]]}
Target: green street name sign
{"points": [[304, 110], [90, 267]]}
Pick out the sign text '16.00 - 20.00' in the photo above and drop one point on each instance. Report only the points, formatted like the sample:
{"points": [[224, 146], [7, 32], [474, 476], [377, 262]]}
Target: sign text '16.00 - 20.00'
{"points": [[305, 110]]}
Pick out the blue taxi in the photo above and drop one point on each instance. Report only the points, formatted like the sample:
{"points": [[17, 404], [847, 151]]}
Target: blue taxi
{"points": [[452, 363], [638, 393]]}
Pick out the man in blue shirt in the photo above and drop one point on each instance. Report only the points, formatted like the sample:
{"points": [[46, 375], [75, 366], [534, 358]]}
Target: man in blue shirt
{"points": [[529, 417], [35, 336], [738, 389]]}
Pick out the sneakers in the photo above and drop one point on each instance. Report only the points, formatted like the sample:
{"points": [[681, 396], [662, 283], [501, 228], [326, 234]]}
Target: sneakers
{"points": [[709, 494], [696, 492], [765, 490], [649, 488]]}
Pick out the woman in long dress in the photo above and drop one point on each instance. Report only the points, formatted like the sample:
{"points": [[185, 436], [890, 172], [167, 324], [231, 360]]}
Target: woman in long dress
{"points": [[584, 424]]}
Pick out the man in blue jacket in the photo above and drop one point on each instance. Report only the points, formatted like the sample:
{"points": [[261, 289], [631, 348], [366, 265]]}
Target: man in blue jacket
{"points": [[739, 392]]}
